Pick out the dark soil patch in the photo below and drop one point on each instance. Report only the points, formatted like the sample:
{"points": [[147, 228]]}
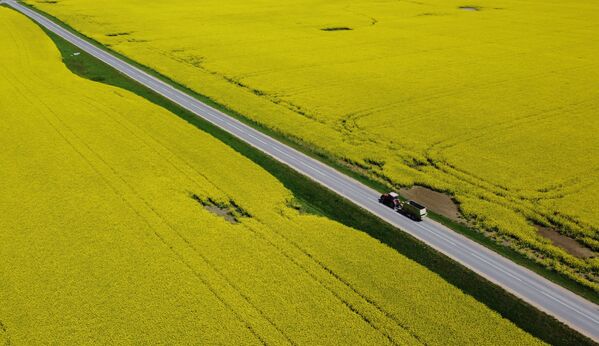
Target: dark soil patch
{"points": [[114, 34], [229, 211], [337, 28], [571, 246], [437, 202]]}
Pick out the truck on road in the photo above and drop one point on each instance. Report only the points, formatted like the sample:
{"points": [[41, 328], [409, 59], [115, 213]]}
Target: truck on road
{"points": [[410, 209]]}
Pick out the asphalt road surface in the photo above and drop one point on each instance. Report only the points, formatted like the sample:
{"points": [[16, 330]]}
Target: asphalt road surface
{"points": [[567, 307]]}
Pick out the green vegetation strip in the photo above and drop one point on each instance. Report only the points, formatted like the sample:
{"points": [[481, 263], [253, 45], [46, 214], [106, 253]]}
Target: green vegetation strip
{"points": [[313, 198]]}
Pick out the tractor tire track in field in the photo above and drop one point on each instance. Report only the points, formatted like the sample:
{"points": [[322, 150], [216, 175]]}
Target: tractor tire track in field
{"points": [[141, 138], [207, 282], [182, 161], [155, 222], [170, 157], [338, 278], [167, 243], [189, 176], [236, 82], [373, 321]]}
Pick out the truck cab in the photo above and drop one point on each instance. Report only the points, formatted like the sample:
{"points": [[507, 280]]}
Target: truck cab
{"points": [[390, 199]]}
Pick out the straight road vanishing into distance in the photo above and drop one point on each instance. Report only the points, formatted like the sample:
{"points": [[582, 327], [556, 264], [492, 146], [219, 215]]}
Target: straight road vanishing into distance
{"points": [[556, 301]]}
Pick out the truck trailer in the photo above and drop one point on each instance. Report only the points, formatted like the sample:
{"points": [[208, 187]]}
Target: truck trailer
{"points": [[413, 210]]}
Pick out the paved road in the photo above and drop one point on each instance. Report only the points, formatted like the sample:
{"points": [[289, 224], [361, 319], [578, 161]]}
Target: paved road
{"points": [[578, 313]]}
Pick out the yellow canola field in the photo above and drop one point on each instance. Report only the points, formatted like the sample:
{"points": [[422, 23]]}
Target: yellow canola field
{"points": [[103, 238], [495, 103]]}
